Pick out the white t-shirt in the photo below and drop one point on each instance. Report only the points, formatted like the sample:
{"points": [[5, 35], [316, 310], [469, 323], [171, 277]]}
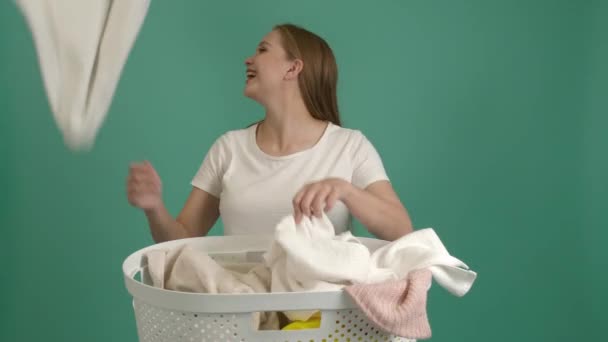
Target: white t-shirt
{"points": [[256, 189]]}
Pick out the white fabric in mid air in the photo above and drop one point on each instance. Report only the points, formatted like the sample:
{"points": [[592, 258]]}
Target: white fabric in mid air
{"points": [[82, 47]]}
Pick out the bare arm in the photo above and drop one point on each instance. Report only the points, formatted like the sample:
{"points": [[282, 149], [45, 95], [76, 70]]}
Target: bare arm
{"points": [[379, 209], [198, 215], [377, 206], [144, 191]]}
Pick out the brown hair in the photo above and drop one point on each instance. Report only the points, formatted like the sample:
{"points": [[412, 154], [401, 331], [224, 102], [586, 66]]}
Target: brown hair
{"points": [[319, 76]]}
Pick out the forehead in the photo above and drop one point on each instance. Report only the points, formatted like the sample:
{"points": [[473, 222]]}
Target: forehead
{"points": [[272, 38]]}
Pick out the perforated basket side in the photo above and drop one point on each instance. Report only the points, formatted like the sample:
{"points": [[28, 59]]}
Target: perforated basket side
{"points": [[160, 325]]}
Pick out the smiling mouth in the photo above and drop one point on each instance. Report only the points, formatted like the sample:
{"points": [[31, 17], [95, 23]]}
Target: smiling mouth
{"points": [[250, 74]]}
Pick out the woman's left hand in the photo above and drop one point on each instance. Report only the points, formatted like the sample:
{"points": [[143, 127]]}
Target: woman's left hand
{"points": [[320, 196]]}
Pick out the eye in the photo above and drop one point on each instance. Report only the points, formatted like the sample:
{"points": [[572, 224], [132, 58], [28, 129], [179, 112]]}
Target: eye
{"points": [[261, 49]]}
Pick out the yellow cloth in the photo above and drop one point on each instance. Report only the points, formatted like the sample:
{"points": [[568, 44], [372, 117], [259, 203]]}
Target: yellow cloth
{"points": [[313, 322]]}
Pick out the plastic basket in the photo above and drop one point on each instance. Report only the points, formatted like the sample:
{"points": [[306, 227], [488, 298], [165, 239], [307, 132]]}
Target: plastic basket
{"points": [[164, 315]]}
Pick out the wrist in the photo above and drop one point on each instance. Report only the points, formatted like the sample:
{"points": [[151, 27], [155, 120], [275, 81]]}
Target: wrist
{"points": [[348, 190], [155, 210]]}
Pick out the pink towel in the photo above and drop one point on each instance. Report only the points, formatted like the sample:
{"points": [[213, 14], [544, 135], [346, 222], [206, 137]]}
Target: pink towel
{"points": [[398, 306]]}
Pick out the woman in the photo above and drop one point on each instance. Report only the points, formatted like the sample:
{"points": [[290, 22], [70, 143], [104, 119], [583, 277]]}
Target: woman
{"points": [[297, 160]]}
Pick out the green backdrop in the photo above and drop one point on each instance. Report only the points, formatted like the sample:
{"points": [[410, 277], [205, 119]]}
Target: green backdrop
{"points": [[490, 117]]}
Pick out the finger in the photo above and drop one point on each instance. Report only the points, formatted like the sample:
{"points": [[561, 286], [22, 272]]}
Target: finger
{"points": [[138, 188], [147, 166], [296, 206], [144, 188], [132, 181], [151, 171], [156, 177], [131, 198], [151, 187], [135, 165], [132, 195], [136, 173], [143, 176], [307, 199], [319, 200], [140, 178], [297, 216]]}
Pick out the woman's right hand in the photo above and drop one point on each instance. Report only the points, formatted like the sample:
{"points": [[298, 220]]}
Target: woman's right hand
{"points": [[144, 187]]}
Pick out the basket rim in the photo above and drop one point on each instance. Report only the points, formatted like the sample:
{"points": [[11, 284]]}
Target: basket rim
{"points": [[230, 302]]}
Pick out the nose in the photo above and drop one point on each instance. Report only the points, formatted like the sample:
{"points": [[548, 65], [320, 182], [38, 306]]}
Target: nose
{"points": [[248, 61]]}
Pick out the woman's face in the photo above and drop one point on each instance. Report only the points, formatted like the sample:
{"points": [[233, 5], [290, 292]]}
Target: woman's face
{"points": [[267, 68]]}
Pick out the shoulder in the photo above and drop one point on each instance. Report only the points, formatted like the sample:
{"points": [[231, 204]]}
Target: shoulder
{"points": [[234, 137], [343, 133], [347, 137]]}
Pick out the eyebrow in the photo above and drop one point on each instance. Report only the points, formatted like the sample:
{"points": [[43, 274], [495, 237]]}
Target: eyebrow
{"points": [[263, 42]]}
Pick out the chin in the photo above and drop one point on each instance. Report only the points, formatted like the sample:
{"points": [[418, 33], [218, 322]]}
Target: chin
{"points": [[250, 93]]}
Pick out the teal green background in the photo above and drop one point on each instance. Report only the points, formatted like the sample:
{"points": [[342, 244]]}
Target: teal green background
{"points": [[490, 116]]}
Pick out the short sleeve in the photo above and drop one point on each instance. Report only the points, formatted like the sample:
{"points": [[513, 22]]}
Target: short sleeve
{"points": [[367, 163], [210, 174]]}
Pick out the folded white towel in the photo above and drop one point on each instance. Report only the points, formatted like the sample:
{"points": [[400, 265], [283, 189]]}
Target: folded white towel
{"points": [[82, 47]]}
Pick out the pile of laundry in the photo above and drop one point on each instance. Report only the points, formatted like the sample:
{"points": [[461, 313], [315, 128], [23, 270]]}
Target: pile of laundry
{"points": [[389, 284]]}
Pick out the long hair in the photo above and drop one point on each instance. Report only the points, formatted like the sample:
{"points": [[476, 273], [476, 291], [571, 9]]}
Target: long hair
{"points": [[319, 76]]}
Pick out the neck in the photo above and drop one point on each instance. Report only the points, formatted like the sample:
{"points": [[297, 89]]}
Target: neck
{"points": [[288, 127]]}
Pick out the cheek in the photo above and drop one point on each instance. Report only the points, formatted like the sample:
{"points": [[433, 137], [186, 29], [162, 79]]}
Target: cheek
{"points": [[274, 68], [271, 77]]}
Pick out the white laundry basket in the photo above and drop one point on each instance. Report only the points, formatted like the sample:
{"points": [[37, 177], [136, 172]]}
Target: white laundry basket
{"points": [[171, 316]]}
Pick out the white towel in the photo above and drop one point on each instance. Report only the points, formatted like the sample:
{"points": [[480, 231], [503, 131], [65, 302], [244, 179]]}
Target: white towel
{"points": [[422, 249], [310, 257], [82, 47]]}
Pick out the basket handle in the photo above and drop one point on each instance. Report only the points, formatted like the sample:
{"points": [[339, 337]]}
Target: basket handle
{"points": [[249, 329]]}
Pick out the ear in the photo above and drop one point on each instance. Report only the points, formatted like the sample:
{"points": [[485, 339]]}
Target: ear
{"points": [[295, 69]]}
